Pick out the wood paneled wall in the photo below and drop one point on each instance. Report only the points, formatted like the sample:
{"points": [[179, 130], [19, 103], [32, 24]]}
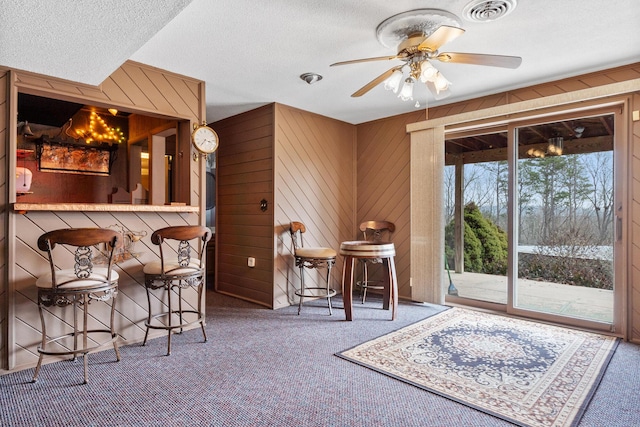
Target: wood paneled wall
{"points": [[315, 172], [132, 87], [600, 78], [136, 88], [4, 212], [302, 164], [244, 176], [383, 185], [634, 233]]}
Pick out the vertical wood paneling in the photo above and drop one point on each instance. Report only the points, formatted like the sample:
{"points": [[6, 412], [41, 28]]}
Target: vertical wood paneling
{"points": [[384, 186], [634, 256], [4, 206], [244, 175]]}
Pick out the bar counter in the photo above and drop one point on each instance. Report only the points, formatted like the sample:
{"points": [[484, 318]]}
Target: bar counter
{"points": [[100, 207]]}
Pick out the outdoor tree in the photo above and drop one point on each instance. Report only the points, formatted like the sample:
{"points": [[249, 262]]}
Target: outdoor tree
{"points": [[497, 179], [599, 168]]}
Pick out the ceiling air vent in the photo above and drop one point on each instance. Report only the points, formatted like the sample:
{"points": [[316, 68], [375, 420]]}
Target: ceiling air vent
{"points": [[488, 10]]}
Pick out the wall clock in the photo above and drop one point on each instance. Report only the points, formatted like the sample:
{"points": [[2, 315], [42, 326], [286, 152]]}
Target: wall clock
{"points": [[204, 139]]}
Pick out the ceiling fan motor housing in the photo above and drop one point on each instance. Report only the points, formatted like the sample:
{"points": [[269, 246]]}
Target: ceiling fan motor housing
{"points": [[398, 28]]}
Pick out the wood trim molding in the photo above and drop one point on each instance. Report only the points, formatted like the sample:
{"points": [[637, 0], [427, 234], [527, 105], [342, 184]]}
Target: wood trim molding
{"points": [[101, 207], [582, 95]]}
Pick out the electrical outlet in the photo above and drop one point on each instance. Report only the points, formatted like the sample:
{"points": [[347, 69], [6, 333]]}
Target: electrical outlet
{"points": [[251, 262]]}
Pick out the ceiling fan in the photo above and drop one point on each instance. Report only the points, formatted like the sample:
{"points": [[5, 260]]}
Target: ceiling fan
{"points": [[418, 35]]}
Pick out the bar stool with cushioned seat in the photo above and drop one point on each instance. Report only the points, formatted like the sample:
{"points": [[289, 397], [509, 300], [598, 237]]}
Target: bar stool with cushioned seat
{"points": [[77, 286], [313, 258], [182, 266]]}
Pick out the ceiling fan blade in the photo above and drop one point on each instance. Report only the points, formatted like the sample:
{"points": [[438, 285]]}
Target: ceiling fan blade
{"points": [[377, 58], [375, 82], [481, 59], [438, 95], [439, 37]]}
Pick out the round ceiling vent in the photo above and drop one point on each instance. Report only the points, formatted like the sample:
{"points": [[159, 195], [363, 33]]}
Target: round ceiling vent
{"points": [[488, 10]]}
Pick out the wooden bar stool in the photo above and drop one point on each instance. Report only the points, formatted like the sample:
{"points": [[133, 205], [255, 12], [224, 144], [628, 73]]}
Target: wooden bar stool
{"points": [[77, 286], [385, 251]]}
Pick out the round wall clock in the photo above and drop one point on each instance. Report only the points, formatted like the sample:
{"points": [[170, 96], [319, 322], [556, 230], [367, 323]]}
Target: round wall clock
{"points": [[204, 139]]}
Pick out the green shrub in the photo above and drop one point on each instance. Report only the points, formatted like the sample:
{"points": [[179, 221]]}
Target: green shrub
{"points": [[485, 244]]}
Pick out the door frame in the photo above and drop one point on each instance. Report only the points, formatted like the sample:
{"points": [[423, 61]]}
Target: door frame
{"points": [[620, 150], [427, 275]]}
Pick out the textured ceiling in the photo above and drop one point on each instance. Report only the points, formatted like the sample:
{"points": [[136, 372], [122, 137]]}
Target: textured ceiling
{"points": [[83, 41], [251, 53]]}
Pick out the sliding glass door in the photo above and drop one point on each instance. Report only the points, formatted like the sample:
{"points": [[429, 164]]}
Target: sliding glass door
{"points": [[476, 202], [531, 218], [564, 213]]}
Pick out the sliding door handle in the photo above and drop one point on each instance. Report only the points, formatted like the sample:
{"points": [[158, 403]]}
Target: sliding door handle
{"points": [[618, 228]]}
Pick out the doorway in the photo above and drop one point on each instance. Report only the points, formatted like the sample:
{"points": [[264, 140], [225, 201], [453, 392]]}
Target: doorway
{"points": [[530, 210]]}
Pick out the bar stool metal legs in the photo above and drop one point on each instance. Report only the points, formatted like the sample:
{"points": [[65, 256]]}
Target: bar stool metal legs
{"points": [[311, 258], [177, 269], [77, 286], [304, 292]]}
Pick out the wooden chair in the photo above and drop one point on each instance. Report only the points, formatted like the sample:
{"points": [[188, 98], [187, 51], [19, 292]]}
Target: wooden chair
{"points": [[77, 286], [373, 231], [181, 266], [312, 258]]}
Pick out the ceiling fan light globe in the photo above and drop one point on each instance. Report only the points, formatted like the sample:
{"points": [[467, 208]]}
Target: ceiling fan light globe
{"points": [[441, 83], [393, 81], [428, 72], [406, 94]]}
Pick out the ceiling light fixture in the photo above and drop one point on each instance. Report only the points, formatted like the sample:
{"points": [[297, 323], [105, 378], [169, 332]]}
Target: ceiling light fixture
{"points": [[394, 80], [311, 78], [406, 94], [555, 147], [420, 69], [407, 30], [418, 35], [113, 111]]}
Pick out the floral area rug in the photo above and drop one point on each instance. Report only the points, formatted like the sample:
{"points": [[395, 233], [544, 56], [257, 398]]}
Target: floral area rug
{"points": [[527, 373]]}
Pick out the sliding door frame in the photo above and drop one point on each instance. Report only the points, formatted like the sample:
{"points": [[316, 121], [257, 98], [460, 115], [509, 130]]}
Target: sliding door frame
{"points": [[430, 287], [620, 154]]}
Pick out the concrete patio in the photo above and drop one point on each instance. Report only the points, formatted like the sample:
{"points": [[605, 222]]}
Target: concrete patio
{"points": [[555, 298]]}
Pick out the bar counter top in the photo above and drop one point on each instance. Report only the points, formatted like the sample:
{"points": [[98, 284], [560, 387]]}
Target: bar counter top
{"points": [[101, 207]]}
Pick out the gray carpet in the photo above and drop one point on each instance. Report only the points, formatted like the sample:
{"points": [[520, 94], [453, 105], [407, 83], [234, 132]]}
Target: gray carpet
{"points": [[268, 368]]}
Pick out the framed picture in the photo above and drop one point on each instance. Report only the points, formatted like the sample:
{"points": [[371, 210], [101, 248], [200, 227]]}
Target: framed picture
{"points": [[54, 157]]}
